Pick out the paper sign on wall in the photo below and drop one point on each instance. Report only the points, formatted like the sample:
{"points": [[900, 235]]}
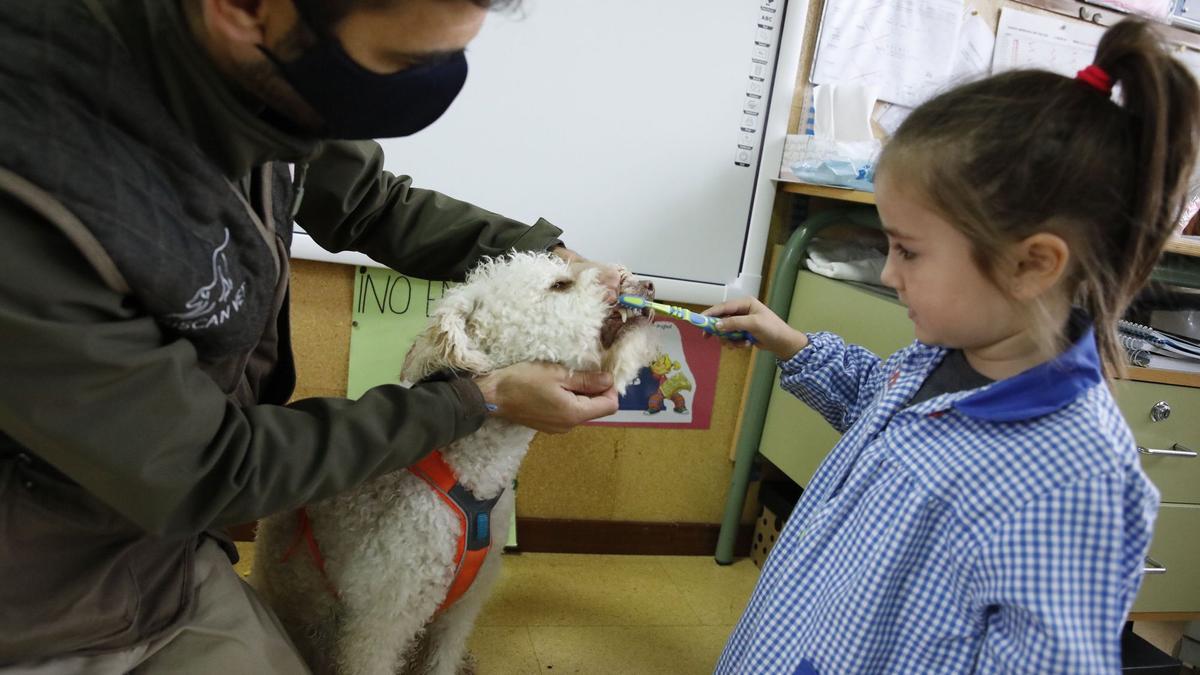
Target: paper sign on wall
{"points": [[1028, 40], [390, 309]]}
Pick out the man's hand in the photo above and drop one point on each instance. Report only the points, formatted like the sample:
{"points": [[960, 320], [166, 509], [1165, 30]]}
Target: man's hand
{"points": [[567, 254], [548, 397], [771, 332]]}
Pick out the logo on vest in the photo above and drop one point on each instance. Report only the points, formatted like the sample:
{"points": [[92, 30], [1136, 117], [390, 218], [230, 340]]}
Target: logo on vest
{"points": [[213, 304]]}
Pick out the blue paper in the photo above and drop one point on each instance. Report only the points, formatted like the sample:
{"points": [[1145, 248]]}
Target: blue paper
{"points": [[838, 172]]}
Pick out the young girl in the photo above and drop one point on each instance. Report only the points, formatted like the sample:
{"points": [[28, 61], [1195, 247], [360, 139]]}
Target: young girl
{"points": [[985, 510]]}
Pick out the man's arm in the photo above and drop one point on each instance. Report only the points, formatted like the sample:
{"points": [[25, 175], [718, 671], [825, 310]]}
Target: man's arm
{"points": [[351, 204], [93, 387]]}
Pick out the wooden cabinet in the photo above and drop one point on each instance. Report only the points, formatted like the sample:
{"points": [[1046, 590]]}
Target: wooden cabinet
{"points": [[1176, 546], [1176, 543], [795, 438], [1176, 475]]}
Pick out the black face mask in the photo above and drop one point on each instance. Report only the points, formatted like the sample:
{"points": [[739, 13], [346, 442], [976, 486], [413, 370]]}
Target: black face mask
{"points": [[356, 103]]}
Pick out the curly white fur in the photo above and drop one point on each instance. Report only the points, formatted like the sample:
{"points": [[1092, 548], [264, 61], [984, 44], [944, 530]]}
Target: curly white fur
{"points": [[390, 545]]}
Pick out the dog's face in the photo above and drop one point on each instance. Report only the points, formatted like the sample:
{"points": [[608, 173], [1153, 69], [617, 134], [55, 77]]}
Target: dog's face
{"points": [[535, 307]]}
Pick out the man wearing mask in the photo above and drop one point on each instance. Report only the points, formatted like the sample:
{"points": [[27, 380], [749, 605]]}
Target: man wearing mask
{"points": [[146, 202]]}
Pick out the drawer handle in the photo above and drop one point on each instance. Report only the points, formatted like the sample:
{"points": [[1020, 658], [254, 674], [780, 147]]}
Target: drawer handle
{"points": [[1176, 450], [1154, 567]]}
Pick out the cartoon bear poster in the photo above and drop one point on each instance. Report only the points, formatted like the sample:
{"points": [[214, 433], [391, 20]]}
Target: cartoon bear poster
{"points": [[675, 389]]}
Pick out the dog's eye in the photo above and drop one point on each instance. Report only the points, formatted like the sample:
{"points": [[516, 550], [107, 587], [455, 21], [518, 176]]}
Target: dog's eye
{"points": [[561, 285]]}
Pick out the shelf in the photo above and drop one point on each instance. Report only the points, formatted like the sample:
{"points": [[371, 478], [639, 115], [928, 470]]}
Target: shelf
{"points": [[1183, 246], [1159, 376], [828, 192]]}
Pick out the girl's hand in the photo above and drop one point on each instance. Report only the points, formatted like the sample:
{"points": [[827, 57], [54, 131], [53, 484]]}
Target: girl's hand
{"points": [[771, 332]]}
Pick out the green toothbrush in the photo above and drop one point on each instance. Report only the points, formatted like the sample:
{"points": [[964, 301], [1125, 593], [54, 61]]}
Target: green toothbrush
{"points": [[708, 324]]}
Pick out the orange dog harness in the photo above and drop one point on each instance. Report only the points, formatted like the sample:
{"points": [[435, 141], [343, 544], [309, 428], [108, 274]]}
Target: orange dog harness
{"points": [[474, 527]]}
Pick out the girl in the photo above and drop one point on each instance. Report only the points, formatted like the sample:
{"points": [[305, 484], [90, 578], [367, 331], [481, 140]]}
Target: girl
{"points": [[985, 510]]}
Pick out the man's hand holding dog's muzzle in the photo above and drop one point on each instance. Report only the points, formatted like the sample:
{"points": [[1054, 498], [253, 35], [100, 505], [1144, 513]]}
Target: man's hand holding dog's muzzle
{"points": [[548, 397]]}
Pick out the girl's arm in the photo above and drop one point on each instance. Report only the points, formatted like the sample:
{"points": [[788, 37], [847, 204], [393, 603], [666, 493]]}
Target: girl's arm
{"points": [[836, 379], [833, 378]]}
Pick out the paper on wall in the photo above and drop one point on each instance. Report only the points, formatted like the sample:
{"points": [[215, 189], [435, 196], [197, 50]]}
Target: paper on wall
{"points": [[842, 112], [890, 116], [822, 111], [1027, 40], [904, 47], [976, 41], [390, 309]]}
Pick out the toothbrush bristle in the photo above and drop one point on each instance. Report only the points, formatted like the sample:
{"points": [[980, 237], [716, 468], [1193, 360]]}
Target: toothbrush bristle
{"points": [[632, 301]]}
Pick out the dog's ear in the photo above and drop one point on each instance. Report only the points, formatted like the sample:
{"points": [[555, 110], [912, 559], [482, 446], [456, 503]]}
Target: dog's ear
{"points": [[445, 342]]}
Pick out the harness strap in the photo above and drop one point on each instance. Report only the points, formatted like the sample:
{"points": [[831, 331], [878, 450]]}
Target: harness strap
{"points": [[474, 528], [474, 531], [304, 532]]}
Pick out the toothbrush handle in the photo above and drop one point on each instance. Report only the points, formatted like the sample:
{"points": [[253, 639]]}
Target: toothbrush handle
{"points": [[709, 325]]}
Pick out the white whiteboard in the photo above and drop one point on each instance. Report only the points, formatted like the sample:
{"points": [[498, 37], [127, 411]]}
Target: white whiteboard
{"points": [[637, 127]]}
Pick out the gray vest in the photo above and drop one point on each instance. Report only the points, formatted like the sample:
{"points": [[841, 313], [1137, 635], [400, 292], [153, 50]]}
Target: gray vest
{"points": [[85, 140], [101, 142]]}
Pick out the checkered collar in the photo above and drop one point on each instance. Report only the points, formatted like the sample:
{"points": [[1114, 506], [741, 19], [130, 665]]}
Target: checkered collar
{"points": [[1038, 391]]}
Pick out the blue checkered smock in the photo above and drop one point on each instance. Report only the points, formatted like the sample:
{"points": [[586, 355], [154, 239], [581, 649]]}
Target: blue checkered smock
{"points": [[1000, 529]]}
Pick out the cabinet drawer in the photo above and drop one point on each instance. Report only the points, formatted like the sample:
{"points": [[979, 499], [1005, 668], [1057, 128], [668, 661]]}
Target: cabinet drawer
{"points": [[1177, 477], [1176, 547], [795, 438]]}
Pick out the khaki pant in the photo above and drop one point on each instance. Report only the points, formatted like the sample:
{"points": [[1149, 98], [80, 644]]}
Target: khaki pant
{"points": [[230, 632]]}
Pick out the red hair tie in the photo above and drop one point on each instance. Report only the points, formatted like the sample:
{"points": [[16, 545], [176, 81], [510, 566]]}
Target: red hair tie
{"points": [[1095, 76]]}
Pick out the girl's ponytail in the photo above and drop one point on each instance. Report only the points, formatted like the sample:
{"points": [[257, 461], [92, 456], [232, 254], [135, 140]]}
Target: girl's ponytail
{"points": [[1162, 104]]}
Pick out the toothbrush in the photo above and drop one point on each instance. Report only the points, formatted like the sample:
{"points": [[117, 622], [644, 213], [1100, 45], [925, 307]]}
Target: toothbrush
{"points": [[708, 324]]}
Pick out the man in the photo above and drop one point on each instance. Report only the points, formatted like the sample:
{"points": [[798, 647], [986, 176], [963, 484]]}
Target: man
{"points": [[146, 202]]}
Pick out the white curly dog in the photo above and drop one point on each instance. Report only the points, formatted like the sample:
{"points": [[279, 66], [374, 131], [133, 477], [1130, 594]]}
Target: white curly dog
{"points": [[390, 547]]}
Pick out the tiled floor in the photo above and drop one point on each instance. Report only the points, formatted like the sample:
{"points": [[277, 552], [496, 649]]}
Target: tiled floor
{"points": [[634, 615]]}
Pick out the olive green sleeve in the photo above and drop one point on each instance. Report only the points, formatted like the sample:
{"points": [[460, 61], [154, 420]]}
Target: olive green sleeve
{"points": [[92, 386], [351, 204]]}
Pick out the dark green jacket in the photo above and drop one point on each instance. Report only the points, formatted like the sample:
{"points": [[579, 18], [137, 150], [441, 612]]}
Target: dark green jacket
{"points": [[110, 425]]}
